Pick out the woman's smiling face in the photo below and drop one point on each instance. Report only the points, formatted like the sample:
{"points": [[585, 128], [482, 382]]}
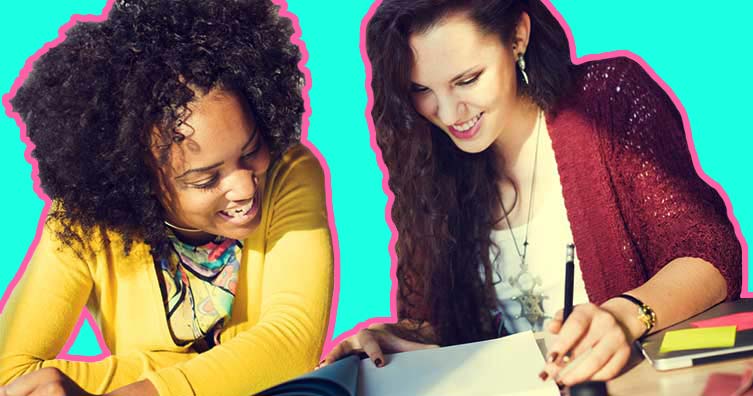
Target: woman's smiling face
{"points": [[464, 81], [214, 181]]}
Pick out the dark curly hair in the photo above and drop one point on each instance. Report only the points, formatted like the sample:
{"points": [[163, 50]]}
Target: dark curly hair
{"points": [[92, 103], [446, 199]]}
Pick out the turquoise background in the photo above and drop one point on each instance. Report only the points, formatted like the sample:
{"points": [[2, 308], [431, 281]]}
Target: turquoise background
{"points": [[702, 53]]}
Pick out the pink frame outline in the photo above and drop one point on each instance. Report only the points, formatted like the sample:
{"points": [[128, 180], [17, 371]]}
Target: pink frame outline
{"points": [[86, 315], [573, 56]]}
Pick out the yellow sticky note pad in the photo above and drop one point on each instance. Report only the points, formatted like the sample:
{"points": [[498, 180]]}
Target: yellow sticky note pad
{"points": [[708, 337]]}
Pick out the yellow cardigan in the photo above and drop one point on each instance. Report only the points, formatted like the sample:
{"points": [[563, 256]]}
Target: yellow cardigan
{"points": [[279, 318]]}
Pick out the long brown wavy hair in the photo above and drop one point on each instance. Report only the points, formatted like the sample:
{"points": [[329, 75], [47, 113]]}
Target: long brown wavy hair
{"points": [[446, 199]]}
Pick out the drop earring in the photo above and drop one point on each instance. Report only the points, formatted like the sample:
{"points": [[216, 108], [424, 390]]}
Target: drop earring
{"points": [[522, 66]]}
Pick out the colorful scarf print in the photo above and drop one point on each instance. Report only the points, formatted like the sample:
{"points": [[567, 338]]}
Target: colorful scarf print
{"points": [[200, 284]]}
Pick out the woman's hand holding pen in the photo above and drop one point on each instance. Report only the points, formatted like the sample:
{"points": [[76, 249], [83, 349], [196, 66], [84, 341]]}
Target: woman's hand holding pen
{"points": [[381, 338], [595, 340]]}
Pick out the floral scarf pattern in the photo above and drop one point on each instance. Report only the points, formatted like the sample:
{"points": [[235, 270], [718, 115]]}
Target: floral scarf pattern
{"points": [[200, 284]]}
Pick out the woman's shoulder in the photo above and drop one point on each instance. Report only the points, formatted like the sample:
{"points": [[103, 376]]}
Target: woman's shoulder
{"points": [[296, 162], [68, 241], [618, 91], [611, 78]]}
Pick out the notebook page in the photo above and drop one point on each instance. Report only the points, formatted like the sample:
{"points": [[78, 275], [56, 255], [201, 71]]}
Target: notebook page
{"points": [[504, 366]]}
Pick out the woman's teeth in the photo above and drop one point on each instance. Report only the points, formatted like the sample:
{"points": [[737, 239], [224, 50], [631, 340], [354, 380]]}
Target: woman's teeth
{"points": [[239, 211], [468, 124]]}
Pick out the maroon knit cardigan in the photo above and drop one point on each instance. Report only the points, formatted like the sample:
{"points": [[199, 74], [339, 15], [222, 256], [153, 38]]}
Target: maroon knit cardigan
{"points": [[633, 197]]}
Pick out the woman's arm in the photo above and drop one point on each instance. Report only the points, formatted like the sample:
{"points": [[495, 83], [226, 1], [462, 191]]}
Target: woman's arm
{"points": [[678, 225], [606, 332], [41, 313], [681, 289]]}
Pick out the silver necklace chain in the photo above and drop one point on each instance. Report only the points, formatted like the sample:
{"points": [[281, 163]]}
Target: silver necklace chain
{"points": [[522, 254], [531, 303]]}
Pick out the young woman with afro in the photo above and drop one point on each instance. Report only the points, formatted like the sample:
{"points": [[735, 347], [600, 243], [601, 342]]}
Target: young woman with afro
{"points": [[185, 216]]}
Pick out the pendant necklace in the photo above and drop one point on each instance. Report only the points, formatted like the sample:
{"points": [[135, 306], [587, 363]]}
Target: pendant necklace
{"points": [[531, 302]]}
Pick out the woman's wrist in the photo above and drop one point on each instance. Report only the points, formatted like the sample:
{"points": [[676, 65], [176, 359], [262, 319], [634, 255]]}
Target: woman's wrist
{"points": [[625, 313]]}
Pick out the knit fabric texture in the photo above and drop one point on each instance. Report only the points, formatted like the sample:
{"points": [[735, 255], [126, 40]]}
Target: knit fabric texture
{"points": [[633, 197]]}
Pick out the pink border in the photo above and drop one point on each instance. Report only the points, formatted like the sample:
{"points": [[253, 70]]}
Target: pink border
{"points": [[85, 315], [573, 56], [296, 39]]}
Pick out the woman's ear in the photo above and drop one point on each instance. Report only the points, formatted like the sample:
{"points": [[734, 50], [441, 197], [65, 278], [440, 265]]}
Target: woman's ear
{"points": [[522, 34]]}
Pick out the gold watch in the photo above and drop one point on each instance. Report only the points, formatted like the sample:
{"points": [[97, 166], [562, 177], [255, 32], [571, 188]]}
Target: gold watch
{"points": [[646, 315]]}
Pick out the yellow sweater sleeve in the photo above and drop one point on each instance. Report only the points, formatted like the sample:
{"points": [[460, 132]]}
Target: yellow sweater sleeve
{"points": [[295, 298], [41, 313]]}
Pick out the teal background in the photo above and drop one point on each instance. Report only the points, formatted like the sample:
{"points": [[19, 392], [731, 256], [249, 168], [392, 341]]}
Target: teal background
{"points": [[702, 53]]}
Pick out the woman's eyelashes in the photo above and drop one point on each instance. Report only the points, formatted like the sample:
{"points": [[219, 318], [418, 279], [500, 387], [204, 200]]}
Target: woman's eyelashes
{"points": [[251, 154], [420, 89], [206, 184], [469, 81], [212, 182]]}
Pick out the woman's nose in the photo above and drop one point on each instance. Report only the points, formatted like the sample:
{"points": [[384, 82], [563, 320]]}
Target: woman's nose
{"points": [[448, 109], [242, 185]]}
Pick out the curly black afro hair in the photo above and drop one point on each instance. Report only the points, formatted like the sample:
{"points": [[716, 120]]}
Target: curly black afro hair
{"points": [[92, 103]]}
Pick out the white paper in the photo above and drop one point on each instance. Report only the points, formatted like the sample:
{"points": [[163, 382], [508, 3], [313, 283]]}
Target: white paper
{"points": [[504, 366]]}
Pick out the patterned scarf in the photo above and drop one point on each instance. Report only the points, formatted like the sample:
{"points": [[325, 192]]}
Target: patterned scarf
{"points": [[200, 284]]}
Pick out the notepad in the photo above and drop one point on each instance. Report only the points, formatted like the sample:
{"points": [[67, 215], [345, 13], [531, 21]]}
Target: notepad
{"points": [[504, 366], [743, 321], [703, 338]]}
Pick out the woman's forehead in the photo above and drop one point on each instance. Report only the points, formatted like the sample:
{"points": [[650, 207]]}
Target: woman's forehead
{"points": [[218, 125], [450, 47]]}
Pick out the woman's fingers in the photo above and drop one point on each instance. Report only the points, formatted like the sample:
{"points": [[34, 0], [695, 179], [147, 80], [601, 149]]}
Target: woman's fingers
{"points": [[602, 323], [591, 344], [347, 347], [365, 341], [394, 344], [47, 381], [614, 366], [370, 340], [606, 358], [25, 385], [575, 327], [374, 341], [555, 324]]}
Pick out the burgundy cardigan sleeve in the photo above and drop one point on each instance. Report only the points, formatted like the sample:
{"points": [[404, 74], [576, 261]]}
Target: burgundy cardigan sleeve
{"points": [[668, 209]]}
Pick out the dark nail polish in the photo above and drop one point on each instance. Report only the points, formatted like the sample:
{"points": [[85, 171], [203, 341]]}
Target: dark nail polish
{"points": [[543, 375], [552, 357], [378, 362]]}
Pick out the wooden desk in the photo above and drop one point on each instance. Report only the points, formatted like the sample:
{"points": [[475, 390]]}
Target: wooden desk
{"points": [[642, 379]]}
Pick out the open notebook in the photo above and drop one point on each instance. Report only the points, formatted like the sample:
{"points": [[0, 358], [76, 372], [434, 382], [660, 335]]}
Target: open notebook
{"points": [[503, 366]]}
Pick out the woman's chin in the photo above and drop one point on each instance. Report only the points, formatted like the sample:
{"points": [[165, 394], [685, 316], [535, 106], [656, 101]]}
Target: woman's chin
{"points": [[471, 147], [239, 232]]}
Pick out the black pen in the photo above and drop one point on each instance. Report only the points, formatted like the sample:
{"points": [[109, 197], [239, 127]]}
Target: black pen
{"points": [[569, 271]]}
